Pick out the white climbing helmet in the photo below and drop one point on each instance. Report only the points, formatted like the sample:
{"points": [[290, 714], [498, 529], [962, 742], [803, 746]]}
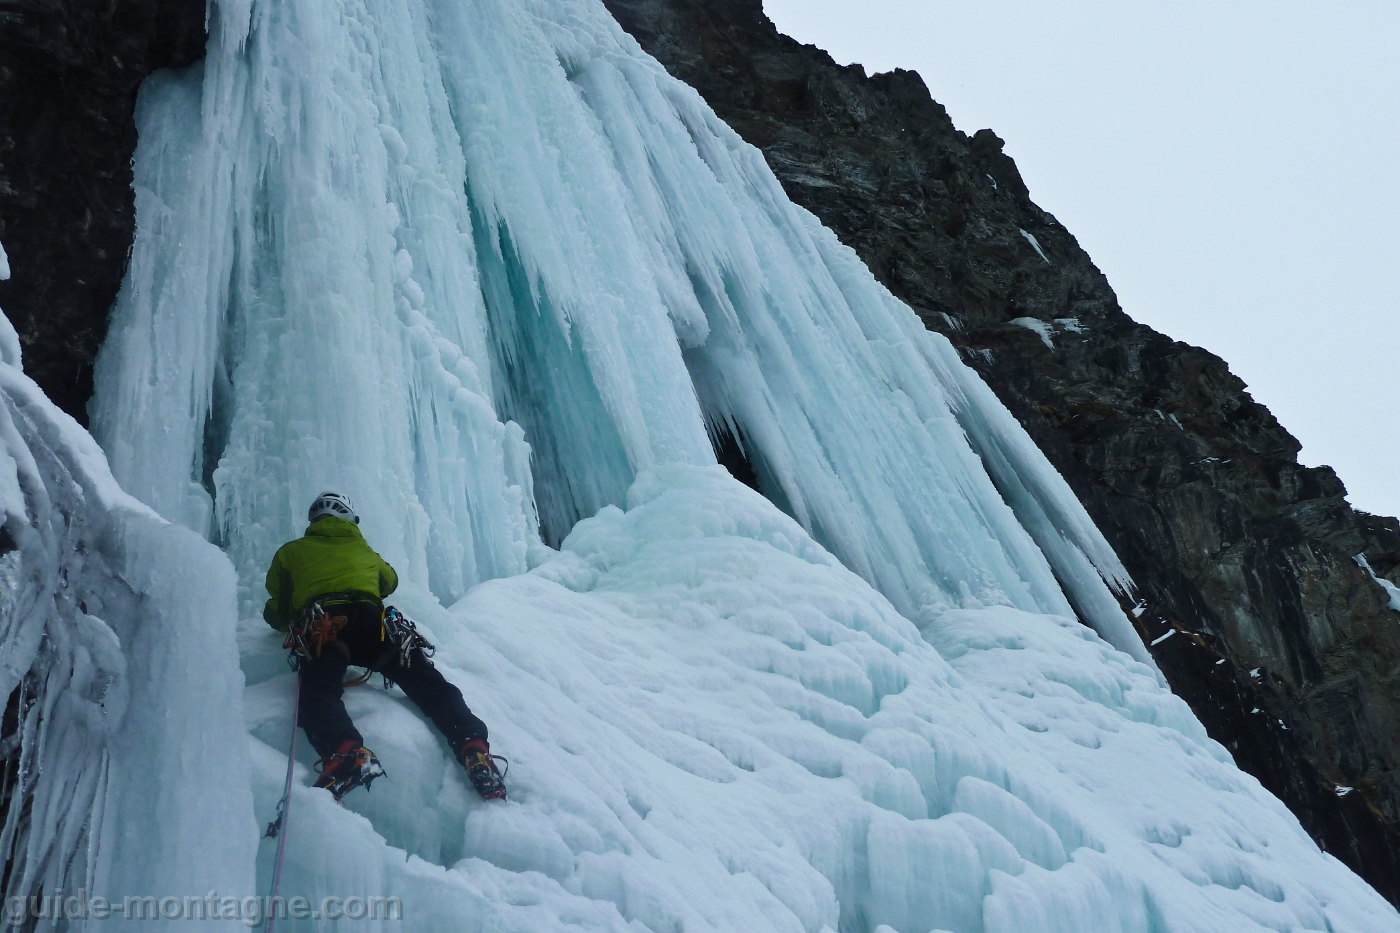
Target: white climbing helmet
{"points": [[332, 503]]}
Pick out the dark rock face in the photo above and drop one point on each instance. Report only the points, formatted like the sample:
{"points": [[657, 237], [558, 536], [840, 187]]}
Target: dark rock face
{"points": [[1281, 643], [69, 72]]}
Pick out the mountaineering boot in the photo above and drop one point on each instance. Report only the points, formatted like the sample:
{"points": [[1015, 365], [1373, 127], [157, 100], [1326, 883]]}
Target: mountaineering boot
{"points": [[350, 767], [476, 757]]}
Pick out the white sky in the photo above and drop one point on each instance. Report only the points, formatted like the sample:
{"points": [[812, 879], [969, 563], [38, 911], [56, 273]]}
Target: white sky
{"points": [[1230, 166]]}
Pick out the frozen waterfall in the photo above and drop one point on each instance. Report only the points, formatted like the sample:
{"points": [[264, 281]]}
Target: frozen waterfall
{"points": [[118, 658], [484, 266], [364, 267]]}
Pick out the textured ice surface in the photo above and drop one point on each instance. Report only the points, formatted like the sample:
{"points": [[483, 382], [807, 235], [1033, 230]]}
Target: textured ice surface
{"points": [[484, 266], [383, 246], [713, 725], [117, 646]]}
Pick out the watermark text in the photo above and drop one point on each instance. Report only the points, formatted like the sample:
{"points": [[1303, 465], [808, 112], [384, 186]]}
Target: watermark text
{"points": [[251, 910]]}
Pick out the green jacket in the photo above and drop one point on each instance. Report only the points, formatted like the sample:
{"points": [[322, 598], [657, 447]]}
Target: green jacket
{"points": [[332, 557]]}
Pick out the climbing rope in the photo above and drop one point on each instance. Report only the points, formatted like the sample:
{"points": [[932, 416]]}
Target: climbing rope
{"points": [[277, 828]]}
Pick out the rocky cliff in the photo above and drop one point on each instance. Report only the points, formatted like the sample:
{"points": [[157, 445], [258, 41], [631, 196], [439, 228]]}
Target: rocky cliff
{"points": [[69, 72], [1250, 596], [1249, 593]]}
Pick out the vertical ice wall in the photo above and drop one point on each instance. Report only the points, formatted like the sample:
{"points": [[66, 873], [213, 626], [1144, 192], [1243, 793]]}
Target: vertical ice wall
{"points": [[374, 236], [101, 636], [273, 338]]}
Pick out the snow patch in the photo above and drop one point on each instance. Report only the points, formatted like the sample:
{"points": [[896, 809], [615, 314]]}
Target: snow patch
{"points": [[1035, 244], [1045, 331], [1390, 588]]}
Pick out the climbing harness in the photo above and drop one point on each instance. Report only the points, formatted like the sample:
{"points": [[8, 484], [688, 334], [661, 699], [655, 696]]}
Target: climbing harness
{"points": [[317, 626], [277, 828], [310, 633]]}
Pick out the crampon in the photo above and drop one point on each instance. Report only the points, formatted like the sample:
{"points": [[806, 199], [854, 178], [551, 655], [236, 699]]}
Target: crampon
{"points": [[486, 778], [350, 767]]}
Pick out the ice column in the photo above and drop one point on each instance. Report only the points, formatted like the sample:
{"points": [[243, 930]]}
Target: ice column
{"points": [[376, 236], [121, 772]]}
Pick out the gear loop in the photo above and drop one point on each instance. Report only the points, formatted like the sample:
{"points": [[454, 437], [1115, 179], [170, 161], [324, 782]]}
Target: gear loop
{"points": [[404, 634]]}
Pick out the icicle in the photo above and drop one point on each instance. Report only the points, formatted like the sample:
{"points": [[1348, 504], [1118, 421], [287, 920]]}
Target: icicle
{"points": [[384, 256], [88, 589]]}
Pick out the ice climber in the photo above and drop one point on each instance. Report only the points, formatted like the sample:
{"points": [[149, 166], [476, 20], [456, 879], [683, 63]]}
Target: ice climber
{"points": [[327, 589]]}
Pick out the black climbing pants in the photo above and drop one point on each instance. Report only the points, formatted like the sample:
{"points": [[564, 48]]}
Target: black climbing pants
{"points": [[362, 644]]}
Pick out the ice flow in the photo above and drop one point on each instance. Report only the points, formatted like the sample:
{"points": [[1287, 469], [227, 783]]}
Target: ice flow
{"points": [[484, 266], [473, 262]]}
